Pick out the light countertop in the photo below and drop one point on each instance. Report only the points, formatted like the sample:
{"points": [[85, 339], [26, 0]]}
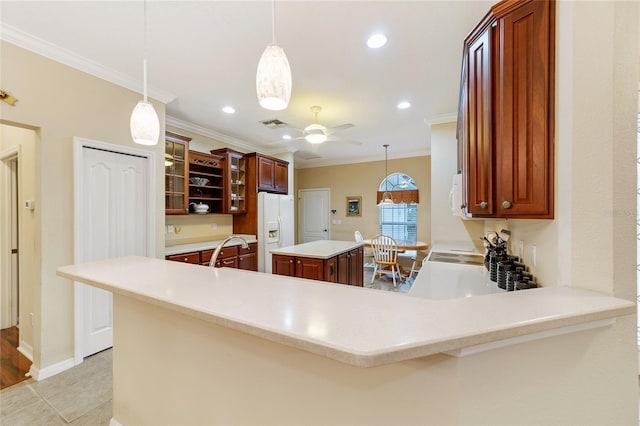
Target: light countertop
{"points": [[358, 326], [321, 249], [205, 245]]}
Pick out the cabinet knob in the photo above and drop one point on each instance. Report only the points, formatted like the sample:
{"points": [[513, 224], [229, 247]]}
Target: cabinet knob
{"points": [[484, 205], [298, 262], [186, 259], [291, 261], [506, 204]]}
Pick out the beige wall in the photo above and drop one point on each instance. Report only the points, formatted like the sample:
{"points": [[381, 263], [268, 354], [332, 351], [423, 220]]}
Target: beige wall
{"points": [[61, 102], [364, 179], [24, 140]]}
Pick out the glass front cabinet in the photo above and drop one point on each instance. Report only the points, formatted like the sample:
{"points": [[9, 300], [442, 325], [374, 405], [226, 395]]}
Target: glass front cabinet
{"points": [[235, 179], [176, 168]]}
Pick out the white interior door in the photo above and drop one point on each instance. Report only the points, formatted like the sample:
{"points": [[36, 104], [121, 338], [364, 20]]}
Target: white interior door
{"points": [[113, 208], [313, 215]]}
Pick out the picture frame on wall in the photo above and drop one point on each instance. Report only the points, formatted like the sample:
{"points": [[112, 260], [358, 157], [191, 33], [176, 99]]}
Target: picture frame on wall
{"points": [[354, 206]]}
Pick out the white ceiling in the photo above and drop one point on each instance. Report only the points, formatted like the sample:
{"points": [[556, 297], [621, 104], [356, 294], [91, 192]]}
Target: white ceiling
{"points": [[203, 55]]}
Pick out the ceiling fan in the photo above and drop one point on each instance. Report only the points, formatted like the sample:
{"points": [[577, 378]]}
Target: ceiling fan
{"points": [[317, 133]]}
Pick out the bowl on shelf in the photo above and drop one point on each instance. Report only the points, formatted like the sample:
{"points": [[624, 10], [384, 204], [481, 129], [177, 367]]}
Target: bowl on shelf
{"points": [[200, 208], [198, 181]]}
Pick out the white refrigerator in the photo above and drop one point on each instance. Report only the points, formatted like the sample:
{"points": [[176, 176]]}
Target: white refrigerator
{"points": [[275, 226]]}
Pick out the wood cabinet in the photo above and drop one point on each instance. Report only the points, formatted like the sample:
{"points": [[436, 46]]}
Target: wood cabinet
{"points": [[229, 257], [206, 181], [261, 172], [176, 169], [506, 112], [272, 174], [234, 181], [345, 268]]}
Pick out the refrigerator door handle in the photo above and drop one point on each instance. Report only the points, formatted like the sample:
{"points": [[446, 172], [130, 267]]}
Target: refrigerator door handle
{"points": [[279, 230]]}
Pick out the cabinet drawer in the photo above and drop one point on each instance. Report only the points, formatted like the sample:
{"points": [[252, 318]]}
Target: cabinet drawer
{"points": [[186, 257], [229, 262], [253, 248]]}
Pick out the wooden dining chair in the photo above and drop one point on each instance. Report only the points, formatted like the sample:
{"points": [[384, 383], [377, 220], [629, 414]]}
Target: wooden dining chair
{"points": [[368, 253], [385, 257]]}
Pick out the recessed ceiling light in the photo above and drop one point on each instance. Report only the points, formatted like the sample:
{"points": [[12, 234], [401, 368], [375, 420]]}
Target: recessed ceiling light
{"points": [[229, 109], [287, 137], [404, 105], [376, 41]]}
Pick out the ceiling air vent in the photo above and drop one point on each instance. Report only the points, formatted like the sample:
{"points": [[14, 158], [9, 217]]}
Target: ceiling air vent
{"points": [[306, 155], [274, 123]]}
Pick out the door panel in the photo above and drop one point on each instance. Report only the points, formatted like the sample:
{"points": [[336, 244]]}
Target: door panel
{"points": [[313, 214], [113, 223]]}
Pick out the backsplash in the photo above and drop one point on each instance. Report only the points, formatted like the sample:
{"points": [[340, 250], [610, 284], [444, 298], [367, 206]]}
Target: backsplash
{"points": [[193, 228], [539, 245]]}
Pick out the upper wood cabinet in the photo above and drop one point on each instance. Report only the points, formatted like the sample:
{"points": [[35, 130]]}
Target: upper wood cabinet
{"points": [[235, 181], [272, 174], [206, 181], [176, 171], [506, 112]]}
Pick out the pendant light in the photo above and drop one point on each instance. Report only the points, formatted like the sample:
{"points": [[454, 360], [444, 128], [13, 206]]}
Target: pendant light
{"points": [[273, 79], [144, 124], [387, 200]]}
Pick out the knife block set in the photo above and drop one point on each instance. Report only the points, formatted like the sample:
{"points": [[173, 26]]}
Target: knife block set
{"points": [[506, 270]]}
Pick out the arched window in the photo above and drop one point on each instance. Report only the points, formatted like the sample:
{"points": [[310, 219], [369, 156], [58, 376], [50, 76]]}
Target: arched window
{"points": [[400, 220]]}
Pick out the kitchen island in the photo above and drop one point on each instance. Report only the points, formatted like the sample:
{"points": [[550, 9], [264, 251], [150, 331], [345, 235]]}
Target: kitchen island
{"points": [[323, 260], [197, 345]]}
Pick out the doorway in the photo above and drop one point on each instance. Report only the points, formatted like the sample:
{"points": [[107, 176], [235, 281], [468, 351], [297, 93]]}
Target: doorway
{"points": [[10, 244], [115, 214], [313, 215]]}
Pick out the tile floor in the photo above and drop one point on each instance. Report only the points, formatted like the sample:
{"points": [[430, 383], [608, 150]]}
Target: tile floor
{"points": [[79, 396], [83, 395]]}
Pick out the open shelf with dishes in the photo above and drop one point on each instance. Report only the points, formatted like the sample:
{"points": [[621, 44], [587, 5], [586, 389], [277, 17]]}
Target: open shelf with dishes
{"points": [[206, 183]]}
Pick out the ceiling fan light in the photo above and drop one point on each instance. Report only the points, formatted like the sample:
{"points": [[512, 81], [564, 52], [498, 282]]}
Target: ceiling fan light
{"points": [[273, 79], [144, 124], [316, 137]]}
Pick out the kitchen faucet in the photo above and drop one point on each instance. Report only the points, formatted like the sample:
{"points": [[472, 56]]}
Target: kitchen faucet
{"points": [[216, 252]]}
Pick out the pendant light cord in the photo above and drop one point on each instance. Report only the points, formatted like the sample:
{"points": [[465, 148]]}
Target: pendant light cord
{"points": [[386, 171], [273, 22], [144, 52]]}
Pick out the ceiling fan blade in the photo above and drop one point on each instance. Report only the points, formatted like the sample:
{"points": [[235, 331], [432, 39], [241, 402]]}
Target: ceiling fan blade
{"points": [[284, 141], [345, 126], [341, 140]]}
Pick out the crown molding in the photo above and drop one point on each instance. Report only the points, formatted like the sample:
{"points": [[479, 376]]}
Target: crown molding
{"points": [[220, 137], [308, 164], [441, 118], [52, 51]]}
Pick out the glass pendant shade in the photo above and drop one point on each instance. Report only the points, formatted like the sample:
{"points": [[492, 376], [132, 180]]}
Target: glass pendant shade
{"points": [[273, 79], [145, 126]]}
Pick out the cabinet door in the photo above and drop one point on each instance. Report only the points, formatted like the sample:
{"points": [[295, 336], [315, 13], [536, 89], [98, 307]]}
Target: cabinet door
{"points": [[312, 269], [248, 262], [266, 174], [176, 172], [283, 265], [478, 161], [356, 267], [331, 270], [281, 177], [524, 153], [343, 268]]}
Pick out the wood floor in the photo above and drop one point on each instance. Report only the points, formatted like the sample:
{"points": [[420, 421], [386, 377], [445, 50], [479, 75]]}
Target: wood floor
{"points": [[13, 365]]}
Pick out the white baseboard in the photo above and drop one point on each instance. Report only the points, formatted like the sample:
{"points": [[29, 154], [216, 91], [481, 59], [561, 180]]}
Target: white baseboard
{"points": [[43, 373], [114, 422], [25, 349]]}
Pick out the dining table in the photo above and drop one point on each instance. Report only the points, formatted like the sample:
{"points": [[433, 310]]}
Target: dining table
{"points": [[405, 245]]}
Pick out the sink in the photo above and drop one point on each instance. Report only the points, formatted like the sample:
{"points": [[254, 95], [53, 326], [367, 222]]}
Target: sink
{"points": [[459, 258]]}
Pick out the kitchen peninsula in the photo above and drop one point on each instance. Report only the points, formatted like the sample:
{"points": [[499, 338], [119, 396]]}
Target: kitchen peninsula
{"points": [[197, 345]]}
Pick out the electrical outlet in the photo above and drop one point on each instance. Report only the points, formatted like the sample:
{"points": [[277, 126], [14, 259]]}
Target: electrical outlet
{"points": [[170, 229], [214, 226], [31, 319]]}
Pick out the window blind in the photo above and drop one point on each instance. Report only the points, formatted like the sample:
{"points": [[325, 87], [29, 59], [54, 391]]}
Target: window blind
{"points": [[399, 221]]}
